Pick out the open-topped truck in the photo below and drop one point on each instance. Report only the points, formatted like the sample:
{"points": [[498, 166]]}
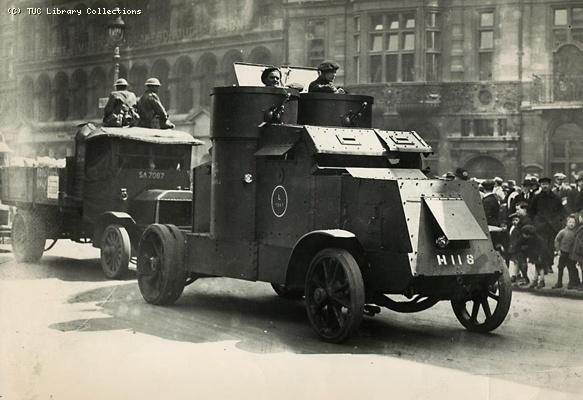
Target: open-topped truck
{"points": [[118, 182], [304, 194]]}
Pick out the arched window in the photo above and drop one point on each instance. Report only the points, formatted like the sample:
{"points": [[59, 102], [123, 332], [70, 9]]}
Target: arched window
{"points": [[184, 95], [566, 150], [98, 87], [138, 76], [161, 70], [43, 93], [231, 57], [261, 55], [484, 167], [79, 92], [207, 68], [61, 96], [27, 98]]}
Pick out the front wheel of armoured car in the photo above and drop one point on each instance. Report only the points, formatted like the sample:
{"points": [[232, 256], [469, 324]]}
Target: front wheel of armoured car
{"points": [[334, 294], [487, 310], [160, 268], [116, 251]]}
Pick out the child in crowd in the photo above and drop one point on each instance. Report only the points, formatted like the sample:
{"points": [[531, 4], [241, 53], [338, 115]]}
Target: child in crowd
{"points": [[516, 258], [577, 253], [564, 242], [524, 219], [532, 245]]}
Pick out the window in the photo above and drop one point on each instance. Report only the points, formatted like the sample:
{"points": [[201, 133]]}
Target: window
{"points": [[391, 47], [484, 127], [357, 49], [316, 39], [567, 25], [485, 45], [432, 46]]}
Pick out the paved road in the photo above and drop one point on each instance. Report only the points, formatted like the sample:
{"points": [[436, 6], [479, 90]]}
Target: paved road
{"points": [[67, 333]]}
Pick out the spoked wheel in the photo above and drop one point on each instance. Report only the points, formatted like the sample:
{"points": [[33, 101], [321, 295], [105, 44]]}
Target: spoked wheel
{"points": [[286, 293], [486, 311], [28, 236], [160, 268], [334, 294], [116, 251]]}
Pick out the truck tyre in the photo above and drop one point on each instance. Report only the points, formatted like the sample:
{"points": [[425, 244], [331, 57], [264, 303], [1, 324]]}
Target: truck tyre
{"points": [[116, 250], [28, 236], [488, 309], [160, 268], [334, 294]]}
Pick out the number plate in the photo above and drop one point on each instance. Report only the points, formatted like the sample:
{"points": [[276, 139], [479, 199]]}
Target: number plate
{"points": [[151, 174], [444, 260]]}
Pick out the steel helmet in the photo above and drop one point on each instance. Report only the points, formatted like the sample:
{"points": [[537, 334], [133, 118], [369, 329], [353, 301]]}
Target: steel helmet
{"points": [[121, 82], [152, 82]]}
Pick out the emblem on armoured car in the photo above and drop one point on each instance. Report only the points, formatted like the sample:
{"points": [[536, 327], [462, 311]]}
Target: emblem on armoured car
{"points": [[279, 201]]}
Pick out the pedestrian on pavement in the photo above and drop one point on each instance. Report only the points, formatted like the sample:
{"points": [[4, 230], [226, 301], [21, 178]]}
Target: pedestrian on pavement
{"points": [[575, 196], [499, 189], [325, 82], [534, 247], [152, 112], [561, 188], [577, 251], [491, 203], [515, 258], [564, 242], [548, 214]]}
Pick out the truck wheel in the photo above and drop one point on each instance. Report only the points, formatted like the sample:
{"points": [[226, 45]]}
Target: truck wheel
{"points": [[334, 294], [286, 293], [116, 249], [160, 267], [28, 236], [489, 309]]}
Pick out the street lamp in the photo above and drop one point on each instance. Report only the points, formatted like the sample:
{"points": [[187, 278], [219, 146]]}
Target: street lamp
{"points": [[116, 30]]}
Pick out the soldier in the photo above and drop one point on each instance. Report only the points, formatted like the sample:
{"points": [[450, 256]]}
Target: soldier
{"points": [[120, 108], [271, 76], [152, 112], [324, 83]]}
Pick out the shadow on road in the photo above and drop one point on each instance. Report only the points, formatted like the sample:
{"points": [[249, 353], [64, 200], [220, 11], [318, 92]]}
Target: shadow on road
{"points": [[258, 321], [62, 268]]}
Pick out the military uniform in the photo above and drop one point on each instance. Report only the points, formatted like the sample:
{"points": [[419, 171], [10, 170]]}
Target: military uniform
{"points": [[120, 108], [152, 112]]}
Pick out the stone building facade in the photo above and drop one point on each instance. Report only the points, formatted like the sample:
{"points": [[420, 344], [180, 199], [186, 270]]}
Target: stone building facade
{"points": [[493, 85]]}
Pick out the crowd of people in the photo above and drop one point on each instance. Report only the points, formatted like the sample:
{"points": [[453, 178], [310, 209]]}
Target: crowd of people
{"points": [[532, 223]]}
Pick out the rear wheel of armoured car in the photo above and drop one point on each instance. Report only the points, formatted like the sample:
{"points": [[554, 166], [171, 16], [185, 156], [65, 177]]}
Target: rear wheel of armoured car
{"points": [[116, 251], [487, 310], [286, 293], [160, 267], [28, 236], [334, 294]]}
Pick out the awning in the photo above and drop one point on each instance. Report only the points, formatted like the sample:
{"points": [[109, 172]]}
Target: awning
{"points": [[455, 218]]}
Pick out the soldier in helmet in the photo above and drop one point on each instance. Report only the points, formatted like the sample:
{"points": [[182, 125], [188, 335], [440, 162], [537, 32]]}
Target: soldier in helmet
{"points": [[120, 109], [325, 82], [152, 112]]}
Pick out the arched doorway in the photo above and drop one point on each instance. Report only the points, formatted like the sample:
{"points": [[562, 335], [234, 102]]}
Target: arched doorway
{"points": [[566, 150], [484, 167]]}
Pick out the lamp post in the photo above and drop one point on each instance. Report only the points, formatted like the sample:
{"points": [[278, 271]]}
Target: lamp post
{"points": [[116, 31]]}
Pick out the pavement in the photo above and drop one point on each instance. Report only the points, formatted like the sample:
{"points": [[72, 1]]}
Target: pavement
{"points": [[550, 281]]}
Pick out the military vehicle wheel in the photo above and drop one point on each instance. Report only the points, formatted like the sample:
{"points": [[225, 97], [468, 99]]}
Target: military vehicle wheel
{"points": [[287, 293], [28, 236], [116, 249], [334, 294], [493, 304], [160, 266]]}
